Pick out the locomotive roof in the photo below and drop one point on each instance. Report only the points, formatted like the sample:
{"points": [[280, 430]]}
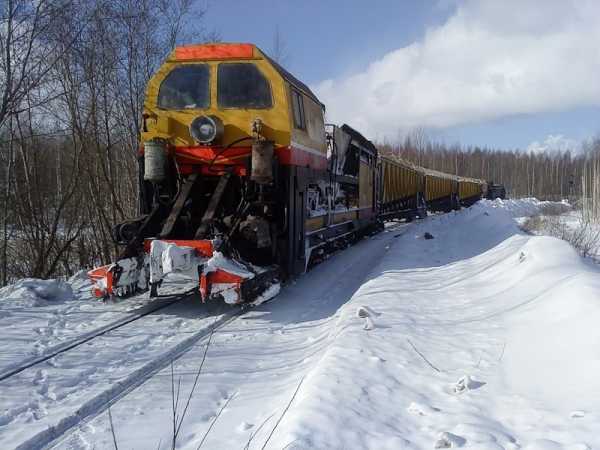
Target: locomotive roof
{"points": [[231, 50], [293, 80]]}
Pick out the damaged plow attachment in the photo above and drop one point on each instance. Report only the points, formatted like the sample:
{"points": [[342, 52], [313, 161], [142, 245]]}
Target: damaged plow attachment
{"points": [[217, 276]]}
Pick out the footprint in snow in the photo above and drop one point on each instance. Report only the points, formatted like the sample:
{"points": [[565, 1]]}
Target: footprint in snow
{"points": [[53, 362], [421, 409], [40, 411], [364, 312], [40, 377], [39, 347], [88, 428], [544, 444], [78, 442], [448, 440], [466, 383], [244, 426]]}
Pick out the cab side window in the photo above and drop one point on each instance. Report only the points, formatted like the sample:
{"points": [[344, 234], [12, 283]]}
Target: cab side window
{"points": [[298, 110]]}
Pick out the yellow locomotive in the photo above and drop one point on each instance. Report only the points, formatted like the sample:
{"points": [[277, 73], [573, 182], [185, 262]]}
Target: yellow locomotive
{"points": [[242, 183]]}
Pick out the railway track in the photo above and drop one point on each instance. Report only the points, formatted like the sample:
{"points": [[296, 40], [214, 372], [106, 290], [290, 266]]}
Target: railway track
{"points": [[73, 343], [275, 352], [99, 402], [96, 397]]}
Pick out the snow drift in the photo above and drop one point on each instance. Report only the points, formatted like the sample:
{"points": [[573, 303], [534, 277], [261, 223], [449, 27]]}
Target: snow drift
{"points": [[482, 338], [35, 292]]}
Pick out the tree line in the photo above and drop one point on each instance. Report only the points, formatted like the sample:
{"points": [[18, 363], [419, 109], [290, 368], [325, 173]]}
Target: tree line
{"points": [[72, 80], [554, 175]]}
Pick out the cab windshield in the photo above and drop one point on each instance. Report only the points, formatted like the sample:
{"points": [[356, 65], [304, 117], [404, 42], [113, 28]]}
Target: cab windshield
{"points": [[242, 85], [186, 87]]}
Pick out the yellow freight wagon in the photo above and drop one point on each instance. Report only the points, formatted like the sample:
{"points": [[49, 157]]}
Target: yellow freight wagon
{"points": [[470, 190], [401, 194], [441, 190]]}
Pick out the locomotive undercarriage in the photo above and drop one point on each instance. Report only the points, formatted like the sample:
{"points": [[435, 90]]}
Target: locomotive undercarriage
{"points": [[407, 208], [255, 233], [444, 204], [219, 226]]}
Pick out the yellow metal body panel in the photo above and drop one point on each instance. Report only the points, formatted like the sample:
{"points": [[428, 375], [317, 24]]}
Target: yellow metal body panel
{"points": [[173, 125], [438, 187], [344, 216], [316, 223], [399, 180], [468, 188]]}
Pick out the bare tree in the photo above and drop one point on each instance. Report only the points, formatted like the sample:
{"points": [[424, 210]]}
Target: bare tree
{"points": [[27, 53], [279, 51], [73, 77], [555, 176]]}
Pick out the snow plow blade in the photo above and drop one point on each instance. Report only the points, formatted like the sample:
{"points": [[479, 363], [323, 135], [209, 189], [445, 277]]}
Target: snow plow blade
{"points": [[123, 278], [218, 276], [233, 288]]}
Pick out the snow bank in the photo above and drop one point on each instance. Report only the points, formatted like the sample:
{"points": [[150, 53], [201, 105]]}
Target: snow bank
{"points": [[523, 207], [482, 337], [560, 330], [35, 292]]}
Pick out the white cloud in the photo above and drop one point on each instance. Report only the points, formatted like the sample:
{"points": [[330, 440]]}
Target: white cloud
{"points": [[555, 143], [490, 59]]}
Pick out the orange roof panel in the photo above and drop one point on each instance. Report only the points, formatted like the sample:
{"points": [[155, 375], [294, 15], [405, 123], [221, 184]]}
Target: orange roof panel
{"points": [[214, 51]]}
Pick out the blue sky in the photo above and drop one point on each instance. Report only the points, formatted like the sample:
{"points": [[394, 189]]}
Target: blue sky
{"points": [[410, 59]]}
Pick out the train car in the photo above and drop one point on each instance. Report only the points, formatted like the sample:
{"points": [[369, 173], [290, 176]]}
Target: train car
{"points": [[441, 191], [242, 183], [495, 190], [401, 190], [343, 205], [470, 190]]}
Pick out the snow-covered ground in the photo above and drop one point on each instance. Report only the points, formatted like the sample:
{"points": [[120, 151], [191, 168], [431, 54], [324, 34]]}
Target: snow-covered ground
{"points": [[483, 337]]}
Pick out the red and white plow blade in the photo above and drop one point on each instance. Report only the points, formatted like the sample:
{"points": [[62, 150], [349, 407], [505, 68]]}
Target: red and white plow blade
{"points": [[217, 276], [121, 278]]}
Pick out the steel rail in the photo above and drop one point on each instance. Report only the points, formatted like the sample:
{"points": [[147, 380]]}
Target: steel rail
{"points": [[54, 435], [62, 348]]}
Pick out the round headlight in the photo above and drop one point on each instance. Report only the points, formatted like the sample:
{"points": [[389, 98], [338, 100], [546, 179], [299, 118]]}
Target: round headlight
{"points": [[206, 129]]}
